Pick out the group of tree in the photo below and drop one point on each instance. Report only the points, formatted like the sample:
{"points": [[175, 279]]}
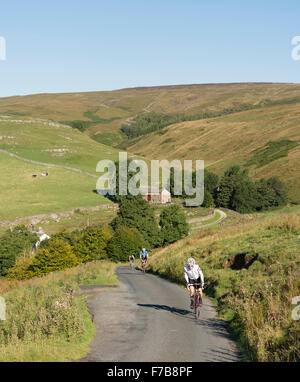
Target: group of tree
{"points": [[19, 259], [235, 190], [15, 243], [134, 227], [210, 184], [146, 123]]}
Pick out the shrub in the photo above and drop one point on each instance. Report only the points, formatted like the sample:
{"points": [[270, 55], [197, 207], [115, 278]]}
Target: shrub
{"points": [[20, 270], [245, 198], [12, 245], [135, 212], [173, 224], [208, 200], [90, 244], [59, 255], [124, 242]]}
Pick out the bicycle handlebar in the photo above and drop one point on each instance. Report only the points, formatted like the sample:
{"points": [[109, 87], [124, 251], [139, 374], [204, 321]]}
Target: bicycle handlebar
{"points": [[195, 284]]}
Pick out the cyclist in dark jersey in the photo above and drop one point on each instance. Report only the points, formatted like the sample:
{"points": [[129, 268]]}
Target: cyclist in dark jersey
{"points": [[131, 258]]}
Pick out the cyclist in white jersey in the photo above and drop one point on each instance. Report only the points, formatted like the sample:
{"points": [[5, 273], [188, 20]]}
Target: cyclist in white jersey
{"points": [[193, 275]]}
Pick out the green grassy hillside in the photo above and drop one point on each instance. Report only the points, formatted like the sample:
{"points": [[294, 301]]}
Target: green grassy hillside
{"points": [[22, 195], [52, 143]]}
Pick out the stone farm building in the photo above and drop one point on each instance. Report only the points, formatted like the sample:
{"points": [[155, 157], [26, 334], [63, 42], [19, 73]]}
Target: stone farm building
{"points": [[163, 196]]}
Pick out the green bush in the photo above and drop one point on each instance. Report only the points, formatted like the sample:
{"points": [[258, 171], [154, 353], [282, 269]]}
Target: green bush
{"points": [[12, 245], [208, 200], [245, 198], [173, 224], [135, 212], [59, 255], [124, 242], [90, 244]]}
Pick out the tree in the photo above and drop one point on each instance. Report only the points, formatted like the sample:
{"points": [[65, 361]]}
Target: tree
{"points": [[173, 224], [124, 242], [279, 188], [135, 212], [234, 181], [90, 244], [225, 190], [245, 197], [266, 194], [210, 181], [59, 255], [13, 244], [208, 200]]}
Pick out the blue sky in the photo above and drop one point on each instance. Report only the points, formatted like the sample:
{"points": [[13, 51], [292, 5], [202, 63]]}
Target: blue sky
{"points": [[67, 46]]}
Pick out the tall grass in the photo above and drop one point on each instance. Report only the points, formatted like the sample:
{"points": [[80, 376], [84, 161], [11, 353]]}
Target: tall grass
{"points": [[44, 321]]}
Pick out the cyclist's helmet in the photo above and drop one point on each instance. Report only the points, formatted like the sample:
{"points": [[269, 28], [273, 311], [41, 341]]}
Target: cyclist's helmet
{"points": [[144, 249], [191, 261]]}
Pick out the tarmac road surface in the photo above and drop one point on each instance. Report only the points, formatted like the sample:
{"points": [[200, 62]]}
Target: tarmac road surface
{"points": [[148, 319]]}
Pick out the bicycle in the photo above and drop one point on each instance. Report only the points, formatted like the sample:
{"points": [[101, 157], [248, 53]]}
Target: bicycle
{"points": [[132, 264], [197, 300], [144, 266]]}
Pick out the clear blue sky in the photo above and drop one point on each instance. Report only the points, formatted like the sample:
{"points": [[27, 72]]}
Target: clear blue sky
{"points": [[87, 45]]}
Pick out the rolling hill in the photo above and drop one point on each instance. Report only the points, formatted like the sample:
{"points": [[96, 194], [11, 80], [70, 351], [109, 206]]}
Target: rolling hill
{"points": [[266, 140], [101, 114], [258, 126]]}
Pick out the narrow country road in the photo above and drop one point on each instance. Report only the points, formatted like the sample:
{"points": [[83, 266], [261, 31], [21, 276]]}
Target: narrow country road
{"points": [[148, 319]]}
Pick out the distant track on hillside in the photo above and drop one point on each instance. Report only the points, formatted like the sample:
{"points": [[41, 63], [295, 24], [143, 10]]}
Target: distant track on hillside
{"points": [[222, 214], [48, 164]]}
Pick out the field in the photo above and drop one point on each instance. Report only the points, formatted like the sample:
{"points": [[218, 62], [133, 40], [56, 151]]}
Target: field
{"points": [[60, 191], [53, 143]]}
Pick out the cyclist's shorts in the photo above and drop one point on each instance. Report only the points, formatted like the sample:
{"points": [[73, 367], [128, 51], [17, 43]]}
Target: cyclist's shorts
{"points": [[198, 281]]}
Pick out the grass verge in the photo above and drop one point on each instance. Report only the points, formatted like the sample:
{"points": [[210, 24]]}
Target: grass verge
{"points": [[44, 321], [252, 274]]}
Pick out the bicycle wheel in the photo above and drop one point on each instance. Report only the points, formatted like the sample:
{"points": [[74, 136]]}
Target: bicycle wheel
{"points": [[197, 306]]}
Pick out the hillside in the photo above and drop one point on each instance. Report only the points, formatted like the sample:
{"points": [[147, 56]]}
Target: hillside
{"points": [[251, 270], [266, 140], [101, 114], [22, 194], [264, 136]]}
